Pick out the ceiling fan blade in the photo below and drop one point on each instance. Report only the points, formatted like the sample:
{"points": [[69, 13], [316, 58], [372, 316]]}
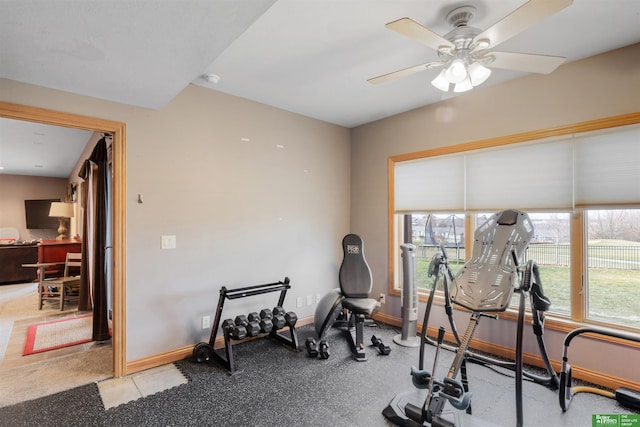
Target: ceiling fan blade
{"points": [[402, 73], [520, 19], [529, 63], [410, 28]]}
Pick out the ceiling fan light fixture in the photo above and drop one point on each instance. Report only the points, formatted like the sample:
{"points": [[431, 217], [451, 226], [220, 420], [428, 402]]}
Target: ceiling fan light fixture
{"points": [[457, 71], [463, 86], [441, 82], [478, 73]]}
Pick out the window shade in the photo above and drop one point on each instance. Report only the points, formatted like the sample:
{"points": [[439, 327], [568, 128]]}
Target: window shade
{"points": [[522, 177], [608, 167], [433, 183], [588, 169]]}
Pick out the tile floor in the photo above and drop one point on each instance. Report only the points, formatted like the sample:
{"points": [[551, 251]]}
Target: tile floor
{"points": [[116, 391]]}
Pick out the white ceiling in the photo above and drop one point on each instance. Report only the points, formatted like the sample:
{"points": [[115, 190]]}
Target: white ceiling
{"points": [[311, 57], [42, 150]]}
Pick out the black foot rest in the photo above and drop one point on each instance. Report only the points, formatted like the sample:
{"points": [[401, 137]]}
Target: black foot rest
{"points": [[420, 377]]}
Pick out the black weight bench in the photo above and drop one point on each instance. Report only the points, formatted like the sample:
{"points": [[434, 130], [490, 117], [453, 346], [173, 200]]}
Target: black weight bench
{"points": [[351, 303]]}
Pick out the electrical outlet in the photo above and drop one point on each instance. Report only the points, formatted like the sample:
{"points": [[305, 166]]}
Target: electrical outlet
{"points": [[309, 299], [206, 322], [382, 299], [317, 298], [299, 302]]}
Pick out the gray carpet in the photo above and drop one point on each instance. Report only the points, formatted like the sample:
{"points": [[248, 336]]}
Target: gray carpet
{"points": [[278, 386]]}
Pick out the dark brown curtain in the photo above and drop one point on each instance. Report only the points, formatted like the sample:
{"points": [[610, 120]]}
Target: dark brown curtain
{"points": [[95, 196], [84, 302]]}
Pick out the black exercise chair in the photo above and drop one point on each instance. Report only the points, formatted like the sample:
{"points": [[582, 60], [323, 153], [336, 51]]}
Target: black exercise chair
{"points": [[350, 304], [356, 283]]}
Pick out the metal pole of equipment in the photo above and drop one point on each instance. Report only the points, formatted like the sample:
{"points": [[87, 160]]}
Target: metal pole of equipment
{"points": [[408, 337]]}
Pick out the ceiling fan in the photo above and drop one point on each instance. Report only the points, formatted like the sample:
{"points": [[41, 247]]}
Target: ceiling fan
{"points": [[466, 53]]}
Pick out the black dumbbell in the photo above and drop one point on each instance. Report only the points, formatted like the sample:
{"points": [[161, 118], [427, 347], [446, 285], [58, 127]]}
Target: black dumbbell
{"points": [[234, 331], [312, 347], [265, 324], [278, 318], [267, 317], [323, 349], [290, 319], [253, 328], [266, 313], [384, 349]]}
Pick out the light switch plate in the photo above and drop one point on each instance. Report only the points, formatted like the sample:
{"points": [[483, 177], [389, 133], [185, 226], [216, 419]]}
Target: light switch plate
{"points": [[168, 242]]}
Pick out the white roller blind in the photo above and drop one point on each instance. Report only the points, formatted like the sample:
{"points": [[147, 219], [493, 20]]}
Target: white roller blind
{"points": [[608, 167], [522, 177], [588, 169], [430, 184]]}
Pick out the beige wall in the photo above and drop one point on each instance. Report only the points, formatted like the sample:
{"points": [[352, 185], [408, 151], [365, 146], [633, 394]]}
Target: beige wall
{"points": [[601, 86], [15, 189], [243, 213]]}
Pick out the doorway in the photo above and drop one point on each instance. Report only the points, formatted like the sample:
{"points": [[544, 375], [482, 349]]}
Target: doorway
{"points": [[118, 209]]}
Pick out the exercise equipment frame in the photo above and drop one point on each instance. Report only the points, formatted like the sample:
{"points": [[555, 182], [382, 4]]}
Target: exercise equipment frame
{"points": [[625, 396], [407, 408]]}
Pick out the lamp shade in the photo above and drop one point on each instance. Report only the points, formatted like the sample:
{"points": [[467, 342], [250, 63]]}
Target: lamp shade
{"points": [[478, 73], [463, 86], [61, 210], [441, 81], [457, 71]]}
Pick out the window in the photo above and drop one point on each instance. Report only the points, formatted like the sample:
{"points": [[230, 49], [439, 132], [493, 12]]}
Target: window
{"points": [[613, 266], [429, 232], [571, 181], [550, 248]]}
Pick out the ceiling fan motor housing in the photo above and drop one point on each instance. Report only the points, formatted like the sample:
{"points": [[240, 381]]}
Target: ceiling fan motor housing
{"points": [[462, 36], [461, 16]]}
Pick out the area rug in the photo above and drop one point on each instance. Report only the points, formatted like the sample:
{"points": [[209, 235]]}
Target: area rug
{"points": [[48, 336]]}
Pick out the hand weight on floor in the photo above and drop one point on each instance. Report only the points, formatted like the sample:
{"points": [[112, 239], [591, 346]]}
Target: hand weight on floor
{"points": [[384, 349], [312, 347], [317, 349], [323, 349]]}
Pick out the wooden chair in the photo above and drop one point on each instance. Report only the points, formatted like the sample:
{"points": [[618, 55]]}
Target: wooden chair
{"points": [[66, 289]]}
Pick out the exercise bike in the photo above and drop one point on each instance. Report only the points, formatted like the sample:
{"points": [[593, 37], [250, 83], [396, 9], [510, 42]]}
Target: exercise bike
{"points": [[484, 286]]}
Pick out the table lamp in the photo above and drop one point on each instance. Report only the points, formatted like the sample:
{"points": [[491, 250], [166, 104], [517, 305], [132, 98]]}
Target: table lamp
{"points": [[62, 211]]}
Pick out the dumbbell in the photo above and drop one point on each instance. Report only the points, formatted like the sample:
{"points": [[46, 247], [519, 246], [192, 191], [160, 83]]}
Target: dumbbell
{"points": [[266, 325], [384, 349], [252, 328], [265, 313], [234, 331], [278, 319], [312, 347], [290, 319], [277, 322], [323, 349]]}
